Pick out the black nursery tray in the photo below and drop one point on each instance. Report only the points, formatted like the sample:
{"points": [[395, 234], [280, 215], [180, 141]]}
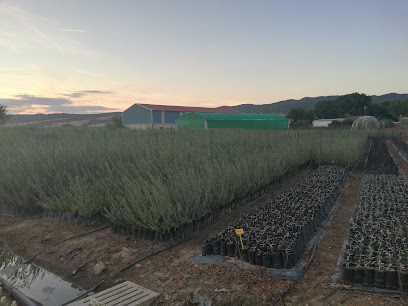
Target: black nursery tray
{"points": [[295, 273], [277, 234], [375, 255]]}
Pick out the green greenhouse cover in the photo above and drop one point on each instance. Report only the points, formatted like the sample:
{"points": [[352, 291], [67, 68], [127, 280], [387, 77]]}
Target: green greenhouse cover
{"points": [[232, 121]]}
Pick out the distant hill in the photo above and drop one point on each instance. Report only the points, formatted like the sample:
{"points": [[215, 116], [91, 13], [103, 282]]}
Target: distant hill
{"points": [[51, 120], [283, 107]]}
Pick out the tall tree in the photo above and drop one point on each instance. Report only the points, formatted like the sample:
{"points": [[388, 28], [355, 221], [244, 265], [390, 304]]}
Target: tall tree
{"points": [[296, 113], [299, 113], [353, 104], [398, 108], [326, 109], [3, 114], [380, 111]]}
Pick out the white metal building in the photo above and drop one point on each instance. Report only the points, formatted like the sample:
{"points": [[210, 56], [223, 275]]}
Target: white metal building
{"points": [[325, 122]]}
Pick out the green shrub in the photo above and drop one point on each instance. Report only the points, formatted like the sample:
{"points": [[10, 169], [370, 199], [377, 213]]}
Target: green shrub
{"points": [[156, 179]]}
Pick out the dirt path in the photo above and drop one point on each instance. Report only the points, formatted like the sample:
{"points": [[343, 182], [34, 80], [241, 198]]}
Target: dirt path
{"points": [[169, 273]]}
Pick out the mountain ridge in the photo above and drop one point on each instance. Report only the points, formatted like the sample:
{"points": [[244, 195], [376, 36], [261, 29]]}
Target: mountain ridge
{"points": [[101, 119], [283, 107]]}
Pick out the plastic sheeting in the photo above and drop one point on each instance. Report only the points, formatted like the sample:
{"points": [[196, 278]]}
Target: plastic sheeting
{"points": [[365, 123]]}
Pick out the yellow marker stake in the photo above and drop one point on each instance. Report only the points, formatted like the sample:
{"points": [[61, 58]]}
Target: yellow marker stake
{"points": [[239, 232]]}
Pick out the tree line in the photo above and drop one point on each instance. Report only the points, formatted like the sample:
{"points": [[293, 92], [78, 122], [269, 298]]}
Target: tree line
{"points": [[354, 104], [3, 114]]}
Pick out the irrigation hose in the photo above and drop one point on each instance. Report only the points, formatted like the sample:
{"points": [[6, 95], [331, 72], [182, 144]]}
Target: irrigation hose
{"points": [[82, 295], [66, 239], [17, 294], [167, 248]]}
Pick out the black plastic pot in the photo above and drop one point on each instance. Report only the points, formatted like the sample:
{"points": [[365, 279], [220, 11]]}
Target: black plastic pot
{"points": [[152, 234], [404, 281], [251, 256], [134, 234], [163, 238], [223, 248], [347, 275], [244, 253], [216, 247], [368, 277], [277, 260], [292, 259], [129, 231], [157, 237], [358, 276], [146, 233], [259, 258], [267, 260], [230, 248], [169, 237], [391, 280], [379, 278], [238, 250], [139, 234], [207, 248]]}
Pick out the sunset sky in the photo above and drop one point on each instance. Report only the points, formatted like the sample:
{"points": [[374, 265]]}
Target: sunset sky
{"points": [[97, 56]]}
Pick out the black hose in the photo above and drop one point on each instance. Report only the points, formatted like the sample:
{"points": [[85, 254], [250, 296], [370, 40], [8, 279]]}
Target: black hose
{"points": [[17, 294], [165, 249], [66, 239], [82, 295]]}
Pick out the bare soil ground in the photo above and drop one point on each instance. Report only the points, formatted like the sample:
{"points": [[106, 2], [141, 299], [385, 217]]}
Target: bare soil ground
{"points": [[172, 275]]}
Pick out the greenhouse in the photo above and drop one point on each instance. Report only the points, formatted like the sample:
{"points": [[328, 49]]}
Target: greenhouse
{"points": [[232, 121], [365, 123]]}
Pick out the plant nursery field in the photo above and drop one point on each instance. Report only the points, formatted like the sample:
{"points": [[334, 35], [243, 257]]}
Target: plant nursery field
{"points": [[376, 254], [149, 182], [154, 180]]}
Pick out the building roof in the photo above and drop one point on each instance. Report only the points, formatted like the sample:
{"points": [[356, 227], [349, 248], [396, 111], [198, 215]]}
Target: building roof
{"points": [[325, 120], [352, 117], [188, 109], [238, 116]]}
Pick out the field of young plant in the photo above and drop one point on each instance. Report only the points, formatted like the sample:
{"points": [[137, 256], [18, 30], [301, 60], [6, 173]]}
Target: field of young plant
{"points": [[276, 234], [156, 180], [376, 253]]}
